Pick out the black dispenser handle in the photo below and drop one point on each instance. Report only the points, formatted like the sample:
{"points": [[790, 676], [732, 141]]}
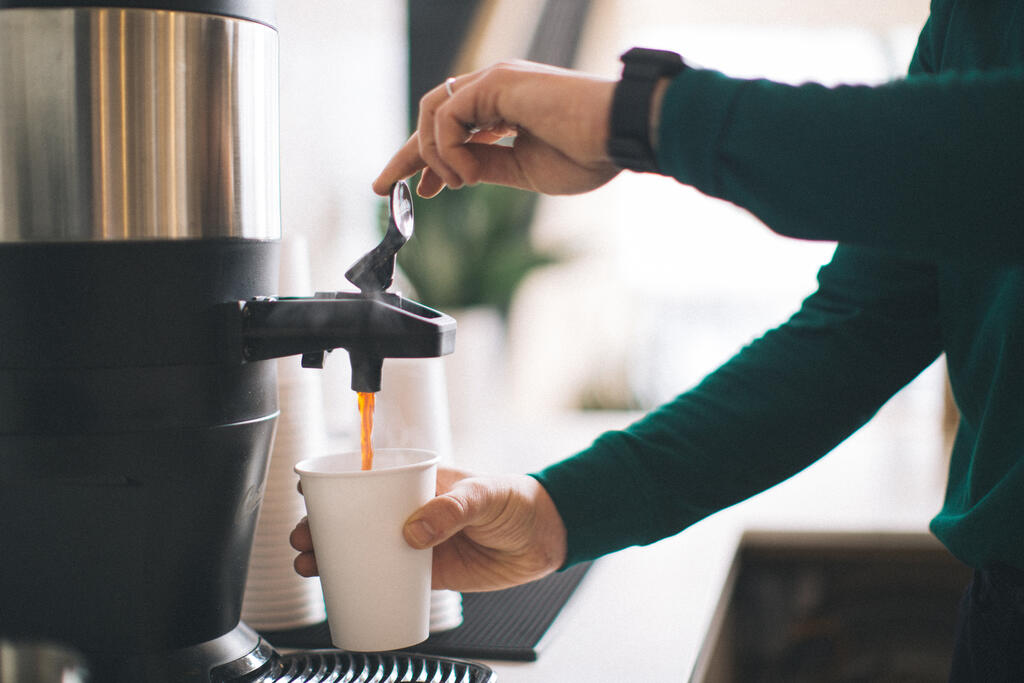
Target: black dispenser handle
{"points": [[370, 328], [371, 325], [375, 271]]}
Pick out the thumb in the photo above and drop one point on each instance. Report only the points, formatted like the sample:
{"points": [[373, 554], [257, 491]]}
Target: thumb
{"points": [[466, 504]]}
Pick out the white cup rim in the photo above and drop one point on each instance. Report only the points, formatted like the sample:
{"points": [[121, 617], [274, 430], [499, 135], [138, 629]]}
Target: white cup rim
{"points": [[310, 467]]}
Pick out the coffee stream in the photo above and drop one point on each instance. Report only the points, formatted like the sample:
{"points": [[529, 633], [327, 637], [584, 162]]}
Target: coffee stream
{"points": [[366, 400]]}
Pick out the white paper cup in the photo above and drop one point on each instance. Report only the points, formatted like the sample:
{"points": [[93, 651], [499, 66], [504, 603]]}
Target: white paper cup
{"points": [[376, 587]]}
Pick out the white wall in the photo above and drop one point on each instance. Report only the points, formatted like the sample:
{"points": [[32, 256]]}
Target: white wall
{"points": [[343, 111]]}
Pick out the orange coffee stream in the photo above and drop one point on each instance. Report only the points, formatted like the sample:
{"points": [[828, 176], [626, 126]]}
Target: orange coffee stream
{"points": [[366, 427]]}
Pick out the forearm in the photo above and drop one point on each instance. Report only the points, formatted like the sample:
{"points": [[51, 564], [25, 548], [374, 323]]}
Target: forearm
{"points": [[929, 166], [776, 407]]}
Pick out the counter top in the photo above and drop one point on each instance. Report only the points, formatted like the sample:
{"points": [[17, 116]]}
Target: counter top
{"points": [[642, 613]]}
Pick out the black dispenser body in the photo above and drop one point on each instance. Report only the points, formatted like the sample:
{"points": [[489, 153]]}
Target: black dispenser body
{"points": [[132, 461], [138, 398]]}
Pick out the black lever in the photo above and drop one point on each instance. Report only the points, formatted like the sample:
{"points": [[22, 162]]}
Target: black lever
{"points": [[375, 271], [371, 326]]}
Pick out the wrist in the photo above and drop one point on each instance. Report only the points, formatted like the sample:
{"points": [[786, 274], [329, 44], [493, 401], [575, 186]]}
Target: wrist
{"points": [[551, 535], [636, 103]]}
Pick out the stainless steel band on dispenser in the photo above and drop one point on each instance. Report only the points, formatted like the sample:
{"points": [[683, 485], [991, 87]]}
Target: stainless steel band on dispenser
{"points": [[129, 124]]}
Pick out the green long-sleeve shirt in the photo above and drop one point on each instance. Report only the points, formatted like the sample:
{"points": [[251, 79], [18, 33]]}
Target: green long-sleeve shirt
{"points": [[921, 181]]}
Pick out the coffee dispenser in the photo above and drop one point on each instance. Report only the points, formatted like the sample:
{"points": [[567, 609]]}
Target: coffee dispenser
{"points": [[139, 230]]}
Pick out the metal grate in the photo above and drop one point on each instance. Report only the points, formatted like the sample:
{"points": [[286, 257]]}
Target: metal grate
{"points": [[337, 666]]}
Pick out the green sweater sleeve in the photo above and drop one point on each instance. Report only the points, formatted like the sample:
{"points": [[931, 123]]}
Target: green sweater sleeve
{"points": [[773, 409], [912, 178], [931, 165]]}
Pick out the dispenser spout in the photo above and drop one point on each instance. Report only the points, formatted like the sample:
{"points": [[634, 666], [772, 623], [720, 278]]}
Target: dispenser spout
{"points": [[370, 328], [366, 371]]}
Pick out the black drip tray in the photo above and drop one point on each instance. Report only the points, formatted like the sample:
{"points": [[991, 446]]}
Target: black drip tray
{"points": [[508, 624], [336, 666]]}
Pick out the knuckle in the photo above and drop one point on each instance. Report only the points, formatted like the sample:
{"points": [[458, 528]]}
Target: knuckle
{"points": [[451, 508], [305, 565]]}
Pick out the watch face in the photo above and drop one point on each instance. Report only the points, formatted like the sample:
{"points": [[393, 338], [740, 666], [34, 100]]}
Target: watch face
{"points": [[401, 208]]}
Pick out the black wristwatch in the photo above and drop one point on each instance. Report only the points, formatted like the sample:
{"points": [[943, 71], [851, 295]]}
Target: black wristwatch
{"points": [[629, 144]]}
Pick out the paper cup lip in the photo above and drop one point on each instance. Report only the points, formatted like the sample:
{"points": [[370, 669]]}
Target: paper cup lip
{"points": [[340, 465]]}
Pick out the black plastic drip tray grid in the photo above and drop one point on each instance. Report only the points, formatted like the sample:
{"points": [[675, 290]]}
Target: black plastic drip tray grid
{"points": [[506, 625], [337, 666]]}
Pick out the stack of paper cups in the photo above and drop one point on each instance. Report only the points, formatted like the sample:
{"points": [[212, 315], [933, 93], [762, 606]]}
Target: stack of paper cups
{"points": [[276, 598], [412, 412]]}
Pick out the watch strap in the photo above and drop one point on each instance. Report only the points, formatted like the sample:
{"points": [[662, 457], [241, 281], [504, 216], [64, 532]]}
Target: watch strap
{"points": [[629, 142]]}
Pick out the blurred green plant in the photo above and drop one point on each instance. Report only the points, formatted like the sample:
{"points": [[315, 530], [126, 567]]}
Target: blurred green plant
{"points": [[472, 247]]}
